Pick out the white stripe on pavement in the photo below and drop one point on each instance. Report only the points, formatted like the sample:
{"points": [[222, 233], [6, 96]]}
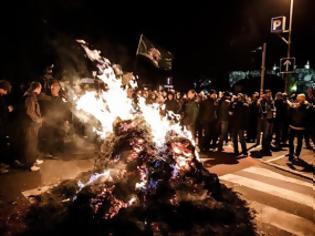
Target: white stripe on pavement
{"points": [[293, 224], [310, 176], [270, 189], [275, 158], [275, 175]]}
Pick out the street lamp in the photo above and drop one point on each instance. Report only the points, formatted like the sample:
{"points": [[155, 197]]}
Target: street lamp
{"points": [[274, 68], [307, 65]]}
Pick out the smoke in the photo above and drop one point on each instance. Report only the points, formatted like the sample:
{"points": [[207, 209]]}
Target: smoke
{"points": [[70, 61]]}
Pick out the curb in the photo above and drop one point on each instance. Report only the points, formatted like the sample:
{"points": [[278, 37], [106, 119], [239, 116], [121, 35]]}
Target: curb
{"points": [[289, 170]]}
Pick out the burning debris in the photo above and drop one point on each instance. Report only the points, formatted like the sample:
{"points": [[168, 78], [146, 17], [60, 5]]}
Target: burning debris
{"points": [[137, 189], [148, 179], [148, 173]]}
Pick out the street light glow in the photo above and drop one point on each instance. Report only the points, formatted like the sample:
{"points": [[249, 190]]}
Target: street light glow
{"points": [[307, 65]]}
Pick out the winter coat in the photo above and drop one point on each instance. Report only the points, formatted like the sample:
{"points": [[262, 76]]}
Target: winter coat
{"points": [[239, 116], [207, 112], [32, 108], [172, 105], [223, 110], [298, 115], [281, 110], [190, 112]]}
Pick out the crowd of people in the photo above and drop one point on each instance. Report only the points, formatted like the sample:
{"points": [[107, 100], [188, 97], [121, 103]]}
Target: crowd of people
{"points": [[214, 119], [32, 129]]}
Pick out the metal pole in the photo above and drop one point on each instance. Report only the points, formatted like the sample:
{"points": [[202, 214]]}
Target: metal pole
{"points": [[289, 44], [263, 68]]}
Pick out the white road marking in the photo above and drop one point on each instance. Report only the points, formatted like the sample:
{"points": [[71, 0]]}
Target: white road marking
{"points": [[270, 189], [268, 173], [293, 224], [310, 176], [275, 158]]}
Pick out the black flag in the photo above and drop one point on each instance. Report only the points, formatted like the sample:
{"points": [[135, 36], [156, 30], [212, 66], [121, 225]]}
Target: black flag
{"points": [[160, 57]]}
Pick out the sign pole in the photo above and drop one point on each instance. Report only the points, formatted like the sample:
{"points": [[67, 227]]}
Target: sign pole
{"points": [[263, 68], [289, 45]]}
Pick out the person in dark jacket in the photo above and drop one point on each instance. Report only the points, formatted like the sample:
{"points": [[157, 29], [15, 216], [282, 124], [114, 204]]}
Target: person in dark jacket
{"points": [[253, 118], [223, 118], [171, 103], [33, 122], [47, 79], [298, 114], [190, 112], [267, 113], [281, 110], [285, 122], [207, 118], [310, 98], [239, 111], [5, 109], [310, 124], [55, 117]]}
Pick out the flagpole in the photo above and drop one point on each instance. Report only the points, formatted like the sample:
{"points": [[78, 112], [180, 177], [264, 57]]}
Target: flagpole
{"points": [[139, 44], [136, 59]]}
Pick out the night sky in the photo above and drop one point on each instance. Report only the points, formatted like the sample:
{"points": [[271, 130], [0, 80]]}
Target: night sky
{"points": [[207, 38]]}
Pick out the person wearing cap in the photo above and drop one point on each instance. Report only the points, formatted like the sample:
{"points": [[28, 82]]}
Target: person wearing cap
{"points": [[298, 114]]}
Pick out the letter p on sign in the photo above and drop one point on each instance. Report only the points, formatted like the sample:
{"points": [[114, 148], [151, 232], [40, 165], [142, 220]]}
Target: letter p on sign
{"points": [[278, 24]]}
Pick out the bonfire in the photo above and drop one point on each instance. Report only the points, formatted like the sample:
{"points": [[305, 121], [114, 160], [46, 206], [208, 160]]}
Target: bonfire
{"points": [[147, 180]]}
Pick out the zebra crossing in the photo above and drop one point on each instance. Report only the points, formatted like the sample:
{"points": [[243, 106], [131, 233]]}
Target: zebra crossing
{"points": [[280, 202]]}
